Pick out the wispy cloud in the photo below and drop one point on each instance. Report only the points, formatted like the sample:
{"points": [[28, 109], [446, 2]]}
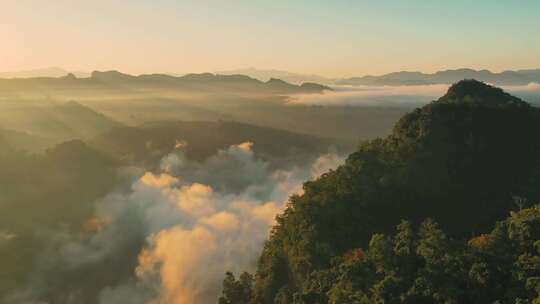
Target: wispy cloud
{"points": [[391, 96]]}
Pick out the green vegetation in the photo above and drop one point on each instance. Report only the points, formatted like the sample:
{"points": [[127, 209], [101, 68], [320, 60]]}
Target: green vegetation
{"points": [[465, 161], [423, 265]]}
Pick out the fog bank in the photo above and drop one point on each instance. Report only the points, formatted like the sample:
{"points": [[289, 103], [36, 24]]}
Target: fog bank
{"points": [[395, 96]]}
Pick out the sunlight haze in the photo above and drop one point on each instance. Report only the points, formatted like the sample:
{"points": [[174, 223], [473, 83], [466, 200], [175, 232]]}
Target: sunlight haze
{"points": [[269, 152], [329, 38]]}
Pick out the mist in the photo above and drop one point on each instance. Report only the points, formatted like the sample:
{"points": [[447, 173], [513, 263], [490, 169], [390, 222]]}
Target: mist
{"points": [[394, 96], [173, 233]]}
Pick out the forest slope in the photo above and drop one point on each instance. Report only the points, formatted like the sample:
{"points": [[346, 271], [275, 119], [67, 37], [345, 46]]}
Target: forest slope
{"points": [[464, 160]]}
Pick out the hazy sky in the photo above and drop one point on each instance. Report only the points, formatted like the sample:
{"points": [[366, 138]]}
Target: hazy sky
{"points": [[332, 38]]}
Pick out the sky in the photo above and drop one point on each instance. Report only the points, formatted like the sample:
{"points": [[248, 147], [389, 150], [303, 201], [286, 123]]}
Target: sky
{"points": [[336, 38]]}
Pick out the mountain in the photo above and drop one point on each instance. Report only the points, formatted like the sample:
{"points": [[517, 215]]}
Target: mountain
{"points": [[465, 161], [82, 120], [205, 82], [147, 144], [519, 77], [265, 75], [210, 82], [17, 141], [55, 122], [40, 73], [132, 100]]}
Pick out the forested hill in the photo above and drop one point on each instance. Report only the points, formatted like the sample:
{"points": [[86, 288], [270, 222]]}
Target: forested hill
{"points": [[463, 161]]}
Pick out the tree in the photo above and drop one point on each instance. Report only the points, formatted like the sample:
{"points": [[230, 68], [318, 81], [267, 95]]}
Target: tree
{"points": [[237, 291]]}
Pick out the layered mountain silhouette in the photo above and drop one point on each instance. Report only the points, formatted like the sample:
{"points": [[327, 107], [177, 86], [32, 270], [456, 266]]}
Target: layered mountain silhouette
{"points": [[509, 77], [265, 75], [47, 124], [205, 82], [519, 77]]}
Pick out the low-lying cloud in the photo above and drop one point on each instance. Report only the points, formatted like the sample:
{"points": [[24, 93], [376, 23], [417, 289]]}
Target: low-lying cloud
{"points": [[384, 96], [174, 234], [393, 96]]}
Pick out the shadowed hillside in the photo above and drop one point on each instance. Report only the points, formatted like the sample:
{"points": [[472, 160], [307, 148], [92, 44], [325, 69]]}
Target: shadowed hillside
{"points": [[53, 121], [465, 161], [147, 144]]}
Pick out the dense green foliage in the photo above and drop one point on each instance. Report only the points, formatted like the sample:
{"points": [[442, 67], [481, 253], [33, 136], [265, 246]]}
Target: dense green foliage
{"points": [[424, 265], [464, 160], [237, 291]]}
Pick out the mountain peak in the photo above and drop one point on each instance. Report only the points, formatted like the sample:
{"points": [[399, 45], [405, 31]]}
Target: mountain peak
{"points": [[474, 91], [110, 75], [69, 76], [276, 81], [310, 86]]}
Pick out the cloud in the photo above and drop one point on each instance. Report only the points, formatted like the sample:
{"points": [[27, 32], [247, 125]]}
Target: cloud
{"points": [[6, 236], [174, 234], [392, 96], [229, 227], [385, 96], [531, 87]]}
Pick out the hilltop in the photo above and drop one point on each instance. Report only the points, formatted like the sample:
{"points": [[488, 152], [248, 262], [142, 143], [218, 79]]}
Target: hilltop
{"points": [[464, 161]]}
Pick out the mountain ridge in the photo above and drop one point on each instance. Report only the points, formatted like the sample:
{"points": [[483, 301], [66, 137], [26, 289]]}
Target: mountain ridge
{"points": [[508, 77], [196, 82], [398, 78]]}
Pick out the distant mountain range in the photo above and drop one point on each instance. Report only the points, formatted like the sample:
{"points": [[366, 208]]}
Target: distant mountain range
{"points": [[265, 75], [519, 77], [205, 82], [271, 77]]}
